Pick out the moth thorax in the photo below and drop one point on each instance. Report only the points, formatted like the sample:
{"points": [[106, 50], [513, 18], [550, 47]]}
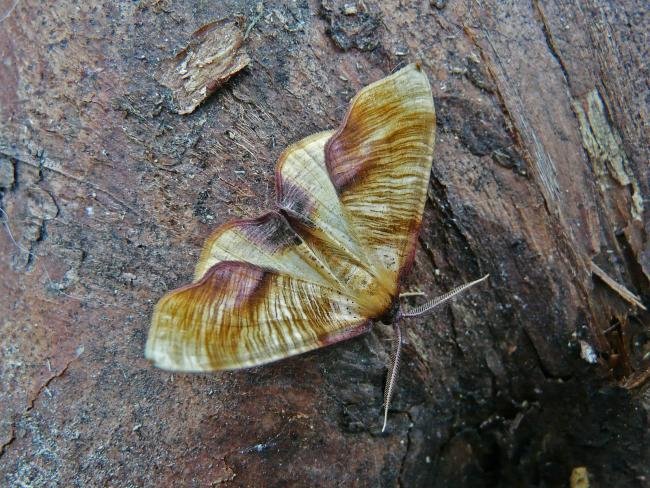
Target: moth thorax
{"points": [[391, 314]]}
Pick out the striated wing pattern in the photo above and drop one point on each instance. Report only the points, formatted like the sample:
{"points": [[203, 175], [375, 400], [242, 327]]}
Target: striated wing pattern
{"points": [[308, 198], [380, 162], [240, 315]]}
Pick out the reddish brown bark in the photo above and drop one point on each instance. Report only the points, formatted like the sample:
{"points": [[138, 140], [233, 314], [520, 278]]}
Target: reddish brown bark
{"points": [[540, 178]]}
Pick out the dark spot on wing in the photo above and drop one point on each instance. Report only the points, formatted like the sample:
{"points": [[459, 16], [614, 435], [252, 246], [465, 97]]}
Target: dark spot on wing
{"points": [[296, 202], [271, 232]]}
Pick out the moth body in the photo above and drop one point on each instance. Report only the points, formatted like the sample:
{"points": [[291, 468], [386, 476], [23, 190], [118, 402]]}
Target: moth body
{"points": [[328, 261]]}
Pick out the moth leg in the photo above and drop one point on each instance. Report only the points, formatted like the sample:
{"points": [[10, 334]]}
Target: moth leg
{"points": [[391, 379], [412, 294]]}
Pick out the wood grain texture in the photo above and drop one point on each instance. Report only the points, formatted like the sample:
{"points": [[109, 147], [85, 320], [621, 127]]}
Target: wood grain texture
{"points": [[542, 121]]}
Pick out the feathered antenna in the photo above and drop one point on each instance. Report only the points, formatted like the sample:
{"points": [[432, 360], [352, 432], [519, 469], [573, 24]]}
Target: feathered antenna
{"points": [[425, 308], [392, 377], [431, 304]]}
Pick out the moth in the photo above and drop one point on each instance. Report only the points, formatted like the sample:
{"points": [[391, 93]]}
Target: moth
{"points": [[329, 261]]}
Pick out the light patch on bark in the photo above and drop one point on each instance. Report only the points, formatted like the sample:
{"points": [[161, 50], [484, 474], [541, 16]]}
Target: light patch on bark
{"points": [[607, 156]]}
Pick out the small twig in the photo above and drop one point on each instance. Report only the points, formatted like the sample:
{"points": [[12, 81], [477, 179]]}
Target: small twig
{"points": [[623, 292], [637, 380]]}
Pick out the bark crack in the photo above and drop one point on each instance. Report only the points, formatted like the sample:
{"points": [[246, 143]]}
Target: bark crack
{"points": [[511, 122], [548, 37], [536, 158], [11, 440], [402, 466], [540, 362], [46, 384], [42, 165], [32, 401]]}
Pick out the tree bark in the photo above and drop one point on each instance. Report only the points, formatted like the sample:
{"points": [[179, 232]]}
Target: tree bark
{"points": [[540, 178]]}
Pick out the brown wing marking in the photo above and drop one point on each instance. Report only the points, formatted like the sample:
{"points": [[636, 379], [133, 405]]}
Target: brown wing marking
{"points": [[267, 241], [380, 162]]}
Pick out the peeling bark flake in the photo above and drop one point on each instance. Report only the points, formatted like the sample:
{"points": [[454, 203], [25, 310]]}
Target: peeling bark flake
{"points": [[214, 54]]}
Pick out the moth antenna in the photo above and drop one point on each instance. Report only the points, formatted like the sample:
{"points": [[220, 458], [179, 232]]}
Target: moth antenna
{"points": [[431, 304], [391, 380]]}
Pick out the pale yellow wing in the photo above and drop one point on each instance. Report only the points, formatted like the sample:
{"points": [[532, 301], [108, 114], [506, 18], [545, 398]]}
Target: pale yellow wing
{"points": [[306, 194], [308, 199], [379, 161], [239, 315]]}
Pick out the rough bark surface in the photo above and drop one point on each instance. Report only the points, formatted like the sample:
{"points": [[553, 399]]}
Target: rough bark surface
{"points": [[540, 178]]}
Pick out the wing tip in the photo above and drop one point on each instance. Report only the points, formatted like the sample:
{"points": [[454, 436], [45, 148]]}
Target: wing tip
{"points": [[319, 138]]}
